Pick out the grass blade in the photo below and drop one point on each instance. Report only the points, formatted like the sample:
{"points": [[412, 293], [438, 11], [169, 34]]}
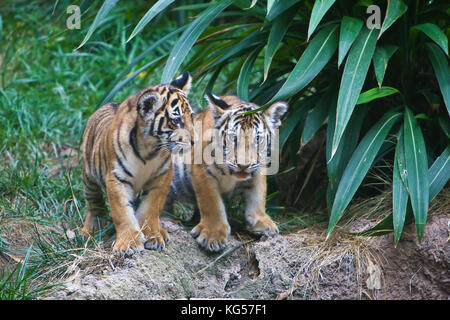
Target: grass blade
{"points": [[442, 70], [399, 191], [395, 9], [313, 60], [417, 171], [359, 165], [319, 9], [435, 34], [380, 59], [101, 14], [350, 28], [127, 80], [188, 38], [375, 93], [352, 81], [108, 95], [151, 13]]}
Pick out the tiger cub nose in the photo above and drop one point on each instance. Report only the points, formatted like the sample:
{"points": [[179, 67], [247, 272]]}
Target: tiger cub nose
{"points": [[243, 167]]}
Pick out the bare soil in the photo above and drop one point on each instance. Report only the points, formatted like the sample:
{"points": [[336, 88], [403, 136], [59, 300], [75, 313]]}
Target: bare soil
{"points": [[300, 265]]}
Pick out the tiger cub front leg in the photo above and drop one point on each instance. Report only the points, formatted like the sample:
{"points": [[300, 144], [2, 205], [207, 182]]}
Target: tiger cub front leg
{"points": [[258, 221], [150, 209], [213, 229], [128, 236]]}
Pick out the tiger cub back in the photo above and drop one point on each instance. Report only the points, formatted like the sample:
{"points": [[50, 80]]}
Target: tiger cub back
{"points": [[126, 150]]}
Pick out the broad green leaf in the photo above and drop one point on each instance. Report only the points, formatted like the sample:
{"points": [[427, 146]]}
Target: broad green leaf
{"points": [[395, 9], [442, 71], [386, 225], [101, 14], [444, 123], [253, 3], [196, 6], [269, 5], [188, 38], [317, 115], [257, 38], [438, 176], [375, 93], [319, 9], [399, 191], [313, 60], [436, 34], [278, 7], [244, 75], [400, 160], [355, 71], [292, 121], [439, 173], [381, 57], [336, 165], [417, 171], [276, 35], [359, 165], [350, 28], [151, 13]]}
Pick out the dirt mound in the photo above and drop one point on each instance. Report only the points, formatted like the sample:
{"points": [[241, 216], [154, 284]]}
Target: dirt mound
{"points": [[294, 266]]}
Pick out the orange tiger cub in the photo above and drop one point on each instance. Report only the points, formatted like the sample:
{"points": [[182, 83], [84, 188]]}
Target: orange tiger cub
{"points": [[126, 150], [245, 142]]}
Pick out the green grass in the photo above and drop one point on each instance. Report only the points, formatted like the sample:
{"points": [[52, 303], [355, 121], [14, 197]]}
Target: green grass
{"points": [[47, 92]]}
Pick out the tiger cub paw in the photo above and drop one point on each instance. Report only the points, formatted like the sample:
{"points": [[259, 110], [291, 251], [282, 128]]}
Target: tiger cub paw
{"points": [[212, 239], [156, 240], [262, 224], [128, 243]]}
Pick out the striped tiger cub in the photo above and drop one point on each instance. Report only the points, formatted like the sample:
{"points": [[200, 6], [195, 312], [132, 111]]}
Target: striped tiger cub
{"points": [[126, 150], [245, 141]]}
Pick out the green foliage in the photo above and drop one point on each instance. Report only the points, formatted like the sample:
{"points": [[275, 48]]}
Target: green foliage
{"points": [[269, 50]]}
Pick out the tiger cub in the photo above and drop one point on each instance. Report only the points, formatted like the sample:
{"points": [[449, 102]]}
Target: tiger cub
{"points": [[127, 149], [246, 142]]}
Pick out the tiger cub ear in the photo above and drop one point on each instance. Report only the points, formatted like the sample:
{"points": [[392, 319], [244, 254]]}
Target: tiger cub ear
{"points": [[216, 105], [148, 103], [183, 82], [275, 113]]}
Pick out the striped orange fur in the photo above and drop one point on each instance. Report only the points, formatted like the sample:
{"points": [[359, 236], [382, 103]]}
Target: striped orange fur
{"points": [[205, 183], [127, 150]]}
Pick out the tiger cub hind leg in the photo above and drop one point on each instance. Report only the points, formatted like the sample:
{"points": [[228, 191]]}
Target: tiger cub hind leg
{"points": [[129, 238], [95, 208], [150, 209]]}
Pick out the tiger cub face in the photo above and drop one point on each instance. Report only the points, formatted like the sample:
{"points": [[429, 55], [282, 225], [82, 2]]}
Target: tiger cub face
{"points": [[246, 139], [165, 113]]}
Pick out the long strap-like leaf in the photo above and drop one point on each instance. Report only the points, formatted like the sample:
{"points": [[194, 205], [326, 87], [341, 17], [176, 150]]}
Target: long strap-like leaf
{"points": [[151, 13], [188, 38], [399, 191], [359, 165], [352, 81], [101, 14], [313, 60], [442, 70], [417, 171]]}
